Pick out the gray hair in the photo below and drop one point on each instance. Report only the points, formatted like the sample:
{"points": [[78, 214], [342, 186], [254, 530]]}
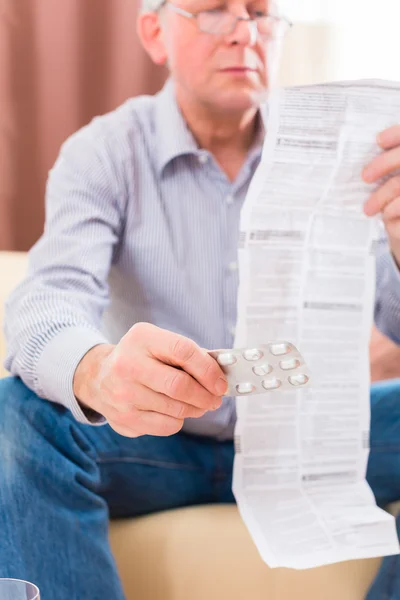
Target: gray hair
{"points": [[151, 5]]}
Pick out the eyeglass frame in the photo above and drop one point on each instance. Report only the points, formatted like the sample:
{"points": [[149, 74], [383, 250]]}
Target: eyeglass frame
{"points": [[185, 13]]}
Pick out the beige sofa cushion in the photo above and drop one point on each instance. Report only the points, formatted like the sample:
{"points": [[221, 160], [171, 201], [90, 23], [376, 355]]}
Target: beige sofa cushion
{"points": [[206, 553]]}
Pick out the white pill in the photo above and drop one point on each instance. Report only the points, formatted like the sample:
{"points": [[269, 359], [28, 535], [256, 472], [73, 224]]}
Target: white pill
{"points": [[245, 388], [271, 384], [225, 359], [289, 364], [262, 370], [300, 379], [252, 354], [279, 349]]}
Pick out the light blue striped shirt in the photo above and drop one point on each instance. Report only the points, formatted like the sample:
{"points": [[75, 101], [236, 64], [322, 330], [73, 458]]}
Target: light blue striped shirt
{"points": [[141, 225]]}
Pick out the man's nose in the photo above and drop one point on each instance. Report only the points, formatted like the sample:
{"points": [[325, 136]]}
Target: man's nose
{"points": [[245, 32]]}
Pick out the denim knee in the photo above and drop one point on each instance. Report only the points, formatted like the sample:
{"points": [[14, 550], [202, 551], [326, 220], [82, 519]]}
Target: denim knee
{"points": [[38, 437], [23, 418]]}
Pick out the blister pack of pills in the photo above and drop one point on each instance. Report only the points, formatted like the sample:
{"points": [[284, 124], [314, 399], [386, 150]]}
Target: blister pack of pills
{"points": [[267, 368]]}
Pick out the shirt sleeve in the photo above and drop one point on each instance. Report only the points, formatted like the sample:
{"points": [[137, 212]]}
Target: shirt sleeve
{"points": [[387, 306], [53, 318]]}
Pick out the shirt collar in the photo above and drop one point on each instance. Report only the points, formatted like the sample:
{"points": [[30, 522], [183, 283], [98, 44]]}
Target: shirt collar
{"points": [[173, 136]]}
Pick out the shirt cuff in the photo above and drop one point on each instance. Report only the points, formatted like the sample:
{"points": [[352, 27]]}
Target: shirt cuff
{"points": [[56, 368]]}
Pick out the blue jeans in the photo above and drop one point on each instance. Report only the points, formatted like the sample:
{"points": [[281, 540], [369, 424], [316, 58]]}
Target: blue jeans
{"points": [[60, 481]]}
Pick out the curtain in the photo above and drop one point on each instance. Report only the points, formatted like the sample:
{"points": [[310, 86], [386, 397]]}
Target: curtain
{"points": [[62, 62]]}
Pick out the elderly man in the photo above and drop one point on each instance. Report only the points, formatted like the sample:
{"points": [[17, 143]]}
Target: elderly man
{"points": [[134, 276]]}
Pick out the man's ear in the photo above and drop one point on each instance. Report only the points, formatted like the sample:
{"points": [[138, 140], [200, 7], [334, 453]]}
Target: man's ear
{"points": [[151, 35]]}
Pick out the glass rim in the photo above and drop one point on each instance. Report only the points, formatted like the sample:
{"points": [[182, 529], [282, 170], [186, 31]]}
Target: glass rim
{"points": [[280, 20], [286, 26], [33, 586]]}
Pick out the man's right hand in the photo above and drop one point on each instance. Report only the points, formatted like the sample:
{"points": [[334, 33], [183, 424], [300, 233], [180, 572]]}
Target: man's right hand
{"points": [[150, 382]]}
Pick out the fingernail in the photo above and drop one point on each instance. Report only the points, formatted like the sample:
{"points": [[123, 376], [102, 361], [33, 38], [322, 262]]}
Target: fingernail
{"points": [[217, 406], [380, 138], [367, 176], [369, 209], [366, 211], [221, 386]]}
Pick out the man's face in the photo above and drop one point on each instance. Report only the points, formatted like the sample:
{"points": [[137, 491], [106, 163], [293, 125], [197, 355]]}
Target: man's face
{"points": [[224, 72]]}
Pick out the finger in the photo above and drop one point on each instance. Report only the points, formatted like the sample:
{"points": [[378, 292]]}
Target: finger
{"points": [[130, 371], [147, 423], [178, 350], [123, 430], [179, 385], [156, 424], [146, 399], [139, 383], [152, 401], [382, 197], [392, 211], [382, 165], [390, 138]]}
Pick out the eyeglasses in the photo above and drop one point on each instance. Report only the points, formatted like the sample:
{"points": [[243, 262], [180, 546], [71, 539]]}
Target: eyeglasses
{"points": [[219, 21]]}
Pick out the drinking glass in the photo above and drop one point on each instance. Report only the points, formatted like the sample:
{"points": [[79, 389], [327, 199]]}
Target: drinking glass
{"points": [[15, 589]]}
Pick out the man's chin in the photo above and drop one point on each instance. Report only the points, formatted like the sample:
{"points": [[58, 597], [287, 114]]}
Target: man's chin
{"points": [[243, 100]]}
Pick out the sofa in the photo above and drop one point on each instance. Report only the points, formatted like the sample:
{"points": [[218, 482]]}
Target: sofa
{"points": [[204, 553]]}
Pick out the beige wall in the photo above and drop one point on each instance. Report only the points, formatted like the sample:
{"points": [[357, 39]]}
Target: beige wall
{"points": [[309, 55], [362, 48]]}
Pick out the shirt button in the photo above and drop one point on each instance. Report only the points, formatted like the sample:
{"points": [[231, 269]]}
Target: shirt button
{"points": [[203, 158], [233, 266], [229, 200]]}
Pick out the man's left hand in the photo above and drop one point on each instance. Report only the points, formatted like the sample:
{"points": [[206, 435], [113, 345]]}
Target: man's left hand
{"points": [[386, 199]]}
